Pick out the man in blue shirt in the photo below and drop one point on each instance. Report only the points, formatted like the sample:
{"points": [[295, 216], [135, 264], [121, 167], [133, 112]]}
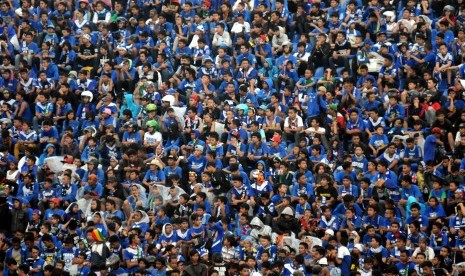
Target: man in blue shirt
{"points": [[431, 143], [388, 74], [49, 134], [196, 162], [409, 190]]}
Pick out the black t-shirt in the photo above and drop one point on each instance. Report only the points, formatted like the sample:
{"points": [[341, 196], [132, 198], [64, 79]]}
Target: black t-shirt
{"points": [[227, 97], [341, 48], [87, 51], [328, 192]]}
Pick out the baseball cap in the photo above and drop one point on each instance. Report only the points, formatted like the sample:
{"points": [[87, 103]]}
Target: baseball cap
{"points": [[430, 93], [436, 130], [333, 106], [195, 97], [199, 147], [368, 41], [92, 177], [329, 232], [55, 200], [68, 159], [359, 246], [107, 111], [277, 159], [276, 139], [323, 261]]}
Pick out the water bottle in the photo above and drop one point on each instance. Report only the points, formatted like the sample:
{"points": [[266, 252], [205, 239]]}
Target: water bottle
{"points": [[323, 200]]}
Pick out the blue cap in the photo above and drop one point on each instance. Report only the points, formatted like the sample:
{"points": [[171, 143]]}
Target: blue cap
{"points": [[368, 41]]}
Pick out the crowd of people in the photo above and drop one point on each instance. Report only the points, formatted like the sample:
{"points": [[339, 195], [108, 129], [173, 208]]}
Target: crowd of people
{"points": [[214, 137]]}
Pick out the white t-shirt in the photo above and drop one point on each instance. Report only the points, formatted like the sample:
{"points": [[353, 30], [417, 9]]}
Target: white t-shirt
{"points": [[297, 122], [153, 138], [342, 252]]}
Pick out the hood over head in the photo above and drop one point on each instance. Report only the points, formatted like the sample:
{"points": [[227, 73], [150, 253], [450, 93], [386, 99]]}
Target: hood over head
{"points": [[163, 230], [257, 222], [287, 211]]}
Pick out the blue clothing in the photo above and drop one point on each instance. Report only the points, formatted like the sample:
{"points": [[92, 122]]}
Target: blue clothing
{"points": [[430, 148], [412, 191]]}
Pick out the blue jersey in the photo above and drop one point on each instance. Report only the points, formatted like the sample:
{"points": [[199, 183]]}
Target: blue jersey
{"points": [[332, 223], [133, 254]]}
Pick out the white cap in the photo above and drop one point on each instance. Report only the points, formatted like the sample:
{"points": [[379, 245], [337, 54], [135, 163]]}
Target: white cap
{"points": [[323, 261], [359, 246], [462, 82], [329, 232], [198, 147]]}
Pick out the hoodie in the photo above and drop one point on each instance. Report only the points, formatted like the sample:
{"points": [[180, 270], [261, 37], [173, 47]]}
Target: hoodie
{"points": [[44, 155], [28, 193], [70, 214], [410, 201], [166, 239], [265, 230], [129, 105], [264, 95], [19, 217], [271, 72]]}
